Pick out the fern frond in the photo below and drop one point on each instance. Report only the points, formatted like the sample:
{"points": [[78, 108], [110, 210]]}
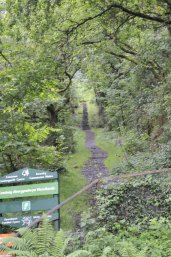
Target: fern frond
{"points": [[80, 253], [22, 253], [18, 243], [58, 247], [142, 253], [45, 236], [127, 249], [28, 234], [41, 242], [108, 252]]}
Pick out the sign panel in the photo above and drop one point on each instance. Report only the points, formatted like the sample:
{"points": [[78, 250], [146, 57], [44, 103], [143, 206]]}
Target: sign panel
{"points": [[35, 205], [27, 175], [24, 221], [50, 188]]}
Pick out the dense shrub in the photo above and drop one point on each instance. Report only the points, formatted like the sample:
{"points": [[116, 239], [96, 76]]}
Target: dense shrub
{"points": [[133, 242], [133, 202], [146, 160]]}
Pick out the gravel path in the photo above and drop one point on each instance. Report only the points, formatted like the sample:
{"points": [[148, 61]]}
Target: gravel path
{"points": [[94, 167]]}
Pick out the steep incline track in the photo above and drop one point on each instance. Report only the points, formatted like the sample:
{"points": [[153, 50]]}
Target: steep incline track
{"points": [[94, 167]]}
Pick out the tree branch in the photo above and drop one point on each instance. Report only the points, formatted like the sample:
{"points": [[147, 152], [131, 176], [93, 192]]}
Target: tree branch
{"points": [[70, 77], [69, 83], [127, 51], [123, 9], [123, 23], [123, 57], [91, 42], [5, 58], [149, 65]]}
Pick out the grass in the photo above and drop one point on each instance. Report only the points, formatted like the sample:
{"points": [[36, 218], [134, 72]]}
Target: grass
{"points": [[108, 144], [73, 181]]}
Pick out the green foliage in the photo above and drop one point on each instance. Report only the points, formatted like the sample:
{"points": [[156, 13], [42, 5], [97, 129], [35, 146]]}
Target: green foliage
{"points": [[133, 202], [133, 143], [153, 241], [127, 249], [36, 122], [43, 241], [122, 49], [147, 160], [97, 241], [43, 44], [80, 253]]}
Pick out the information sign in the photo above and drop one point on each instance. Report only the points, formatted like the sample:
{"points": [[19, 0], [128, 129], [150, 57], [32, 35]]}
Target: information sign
{"points": [[32, 201], [24, 221], [27, 175], [50, 188]]}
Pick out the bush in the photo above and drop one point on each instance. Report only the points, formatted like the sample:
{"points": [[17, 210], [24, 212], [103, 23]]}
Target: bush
{"points": [[155, 241], [135, 202], [161, 158]]}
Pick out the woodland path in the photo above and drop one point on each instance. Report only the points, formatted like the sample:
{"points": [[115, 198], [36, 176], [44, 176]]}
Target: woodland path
{"points": [[94, 168]]}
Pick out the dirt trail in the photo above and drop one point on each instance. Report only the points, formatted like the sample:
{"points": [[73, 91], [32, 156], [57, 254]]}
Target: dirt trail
{"points": [[94, 167]]}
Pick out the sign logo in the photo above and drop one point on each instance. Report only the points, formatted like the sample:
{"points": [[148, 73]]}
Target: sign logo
{"points": [[26, 206], [25, 173], [26, 221]]}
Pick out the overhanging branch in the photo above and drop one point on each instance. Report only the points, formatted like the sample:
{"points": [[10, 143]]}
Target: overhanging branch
{"points": [[69, 83], [5, 58], [70, 77], [122, 56], [132, 13]]}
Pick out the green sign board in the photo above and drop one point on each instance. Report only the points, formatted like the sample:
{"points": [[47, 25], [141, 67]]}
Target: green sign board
{"points": [[27, 175], [40, 189], [35, 205], [25, 192], [24, 221]]}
